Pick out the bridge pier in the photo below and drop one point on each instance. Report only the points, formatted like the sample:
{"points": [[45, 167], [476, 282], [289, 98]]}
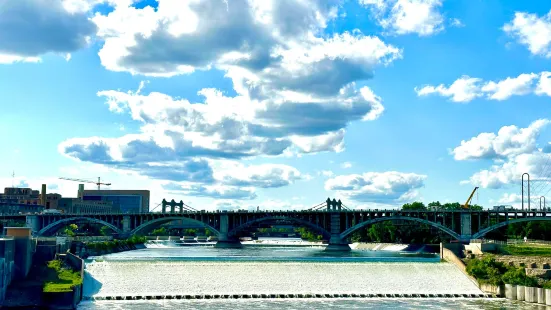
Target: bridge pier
{"points": [[225, 241], [466, 229], [126, 224], [336, 243], [33, 222]]}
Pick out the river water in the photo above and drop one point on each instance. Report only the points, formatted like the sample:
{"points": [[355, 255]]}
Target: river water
{"points": [[168, 268]]}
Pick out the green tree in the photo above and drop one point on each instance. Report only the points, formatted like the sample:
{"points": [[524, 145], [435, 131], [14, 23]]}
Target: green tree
{"points": [[105, 231], [434, 205], [70, 229], [417, 205], [161, 231]]}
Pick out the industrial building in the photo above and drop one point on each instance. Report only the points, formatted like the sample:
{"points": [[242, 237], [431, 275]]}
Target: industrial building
{"points": [[127, 201], [77, 206], [17, 200]]}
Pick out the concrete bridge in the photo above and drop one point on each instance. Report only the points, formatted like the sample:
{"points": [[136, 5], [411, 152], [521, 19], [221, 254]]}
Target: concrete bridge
{"points": [[335, 223]]}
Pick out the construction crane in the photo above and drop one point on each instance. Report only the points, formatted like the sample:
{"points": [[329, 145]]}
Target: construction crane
{"points": [[98, 183], [466, 205]]}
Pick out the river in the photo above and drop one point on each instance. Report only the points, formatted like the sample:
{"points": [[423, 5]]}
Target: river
{"points": [[167, 268]]}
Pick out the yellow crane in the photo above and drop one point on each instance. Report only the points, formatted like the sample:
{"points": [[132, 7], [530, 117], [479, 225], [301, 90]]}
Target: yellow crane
{"points": [[98, 183], [466, 205]]}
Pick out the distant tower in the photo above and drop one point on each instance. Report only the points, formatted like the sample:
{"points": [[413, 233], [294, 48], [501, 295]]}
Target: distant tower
{"points": [[522, 188], [80, 191]]}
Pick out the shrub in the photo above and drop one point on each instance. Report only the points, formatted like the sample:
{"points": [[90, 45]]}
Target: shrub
{"points": [[517, 276], [486, 270], [59, 278]]}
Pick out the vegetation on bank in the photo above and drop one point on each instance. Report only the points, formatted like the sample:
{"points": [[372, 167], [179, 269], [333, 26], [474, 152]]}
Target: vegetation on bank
{"points": [[59, 277], [526, 249], [487, 270], [163, 231], [110, 245]]}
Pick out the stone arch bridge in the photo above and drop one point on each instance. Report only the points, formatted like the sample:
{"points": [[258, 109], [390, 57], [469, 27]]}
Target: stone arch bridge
{"points": [[332, 221]]}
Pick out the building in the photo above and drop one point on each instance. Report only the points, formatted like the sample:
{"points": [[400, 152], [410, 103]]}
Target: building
{"points": [[127, 201], [16, 200], [19, 208], [77, 206], [18, 195]]}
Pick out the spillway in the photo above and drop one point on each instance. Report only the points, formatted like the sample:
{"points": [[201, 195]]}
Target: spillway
{"points": [[162, 278]]}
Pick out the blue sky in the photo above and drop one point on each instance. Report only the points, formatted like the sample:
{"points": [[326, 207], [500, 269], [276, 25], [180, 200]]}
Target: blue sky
{"points": [[278, 104]]}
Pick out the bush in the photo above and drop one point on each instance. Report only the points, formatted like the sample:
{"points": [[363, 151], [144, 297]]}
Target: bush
{"points": [[486, 270], [517, 276], [109, 245], [59, 278]]}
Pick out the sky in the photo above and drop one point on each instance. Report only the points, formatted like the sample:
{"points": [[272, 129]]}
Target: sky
{"points": [[279, 104]]}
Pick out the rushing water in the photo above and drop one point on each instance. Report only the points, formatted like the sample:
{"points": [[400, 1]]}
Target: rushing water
{"points": [[168, 268]]}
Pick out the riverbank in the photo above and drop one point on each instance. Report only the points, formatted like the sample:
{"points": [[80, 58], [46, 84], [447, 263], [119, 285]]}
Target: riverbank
{"points": [[127, 278]]}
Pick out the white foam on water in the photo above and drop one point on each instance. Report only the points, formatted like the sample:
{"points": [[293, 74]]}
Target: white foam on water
{"points": [[114, 278]]}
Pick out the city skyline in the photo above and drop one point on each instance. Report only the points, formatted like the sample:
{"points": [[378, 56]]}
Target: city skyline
{"points": [[239, 105]]}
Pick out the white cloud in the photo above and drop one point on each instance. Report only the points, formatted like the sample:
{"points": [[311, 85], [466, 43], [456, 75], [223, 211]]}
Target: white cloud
{"points": [[326, 173], [389, 187], [466, 89], [510, 198], [346, 165], [269, 204], [263, 176], [502, 174], [58, 27], [456, 22], [422, 17], [509, 141], [463, 89], [515, 151], [532, 31], [281, 67]]}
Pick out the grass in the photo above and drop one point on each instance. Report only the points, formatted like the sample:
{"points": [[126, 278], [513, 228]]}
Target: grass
{"points": [[527, 250], [59, 278]]}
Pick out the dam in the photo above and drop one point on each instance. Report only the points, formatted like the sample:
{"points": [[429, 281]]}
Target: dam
{"points": [[281, 277]]}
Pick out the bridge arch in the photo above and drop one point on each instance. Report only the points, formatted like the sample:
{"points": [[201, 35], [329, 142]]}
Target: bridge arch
{"points": [[358, 226], [484, 231], [70, 220], [164, 220], [308, 224]]}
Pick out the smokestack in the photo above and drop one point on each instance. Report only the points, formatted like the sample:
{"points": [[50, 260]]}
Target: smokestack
{"points": [[80, 191], [43, 195]]}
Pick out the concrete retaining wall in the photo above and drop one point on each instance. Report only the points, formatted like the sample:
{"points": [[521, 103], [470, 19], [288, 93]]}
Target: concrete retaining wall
{"points": [[536, 295]]}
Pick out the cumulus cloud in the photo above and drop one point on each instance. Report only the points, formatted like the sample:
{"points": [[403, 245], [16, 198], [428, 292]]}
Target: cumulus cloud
{"points": [[263, 176], [346, 165], [295, 88], [510, 171], [466, 89], [389, 187], [532, 31], [422, 17], [211, 191], [515, 151], [57, 27], [510, 198], [270, 204], [509, 141]]}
